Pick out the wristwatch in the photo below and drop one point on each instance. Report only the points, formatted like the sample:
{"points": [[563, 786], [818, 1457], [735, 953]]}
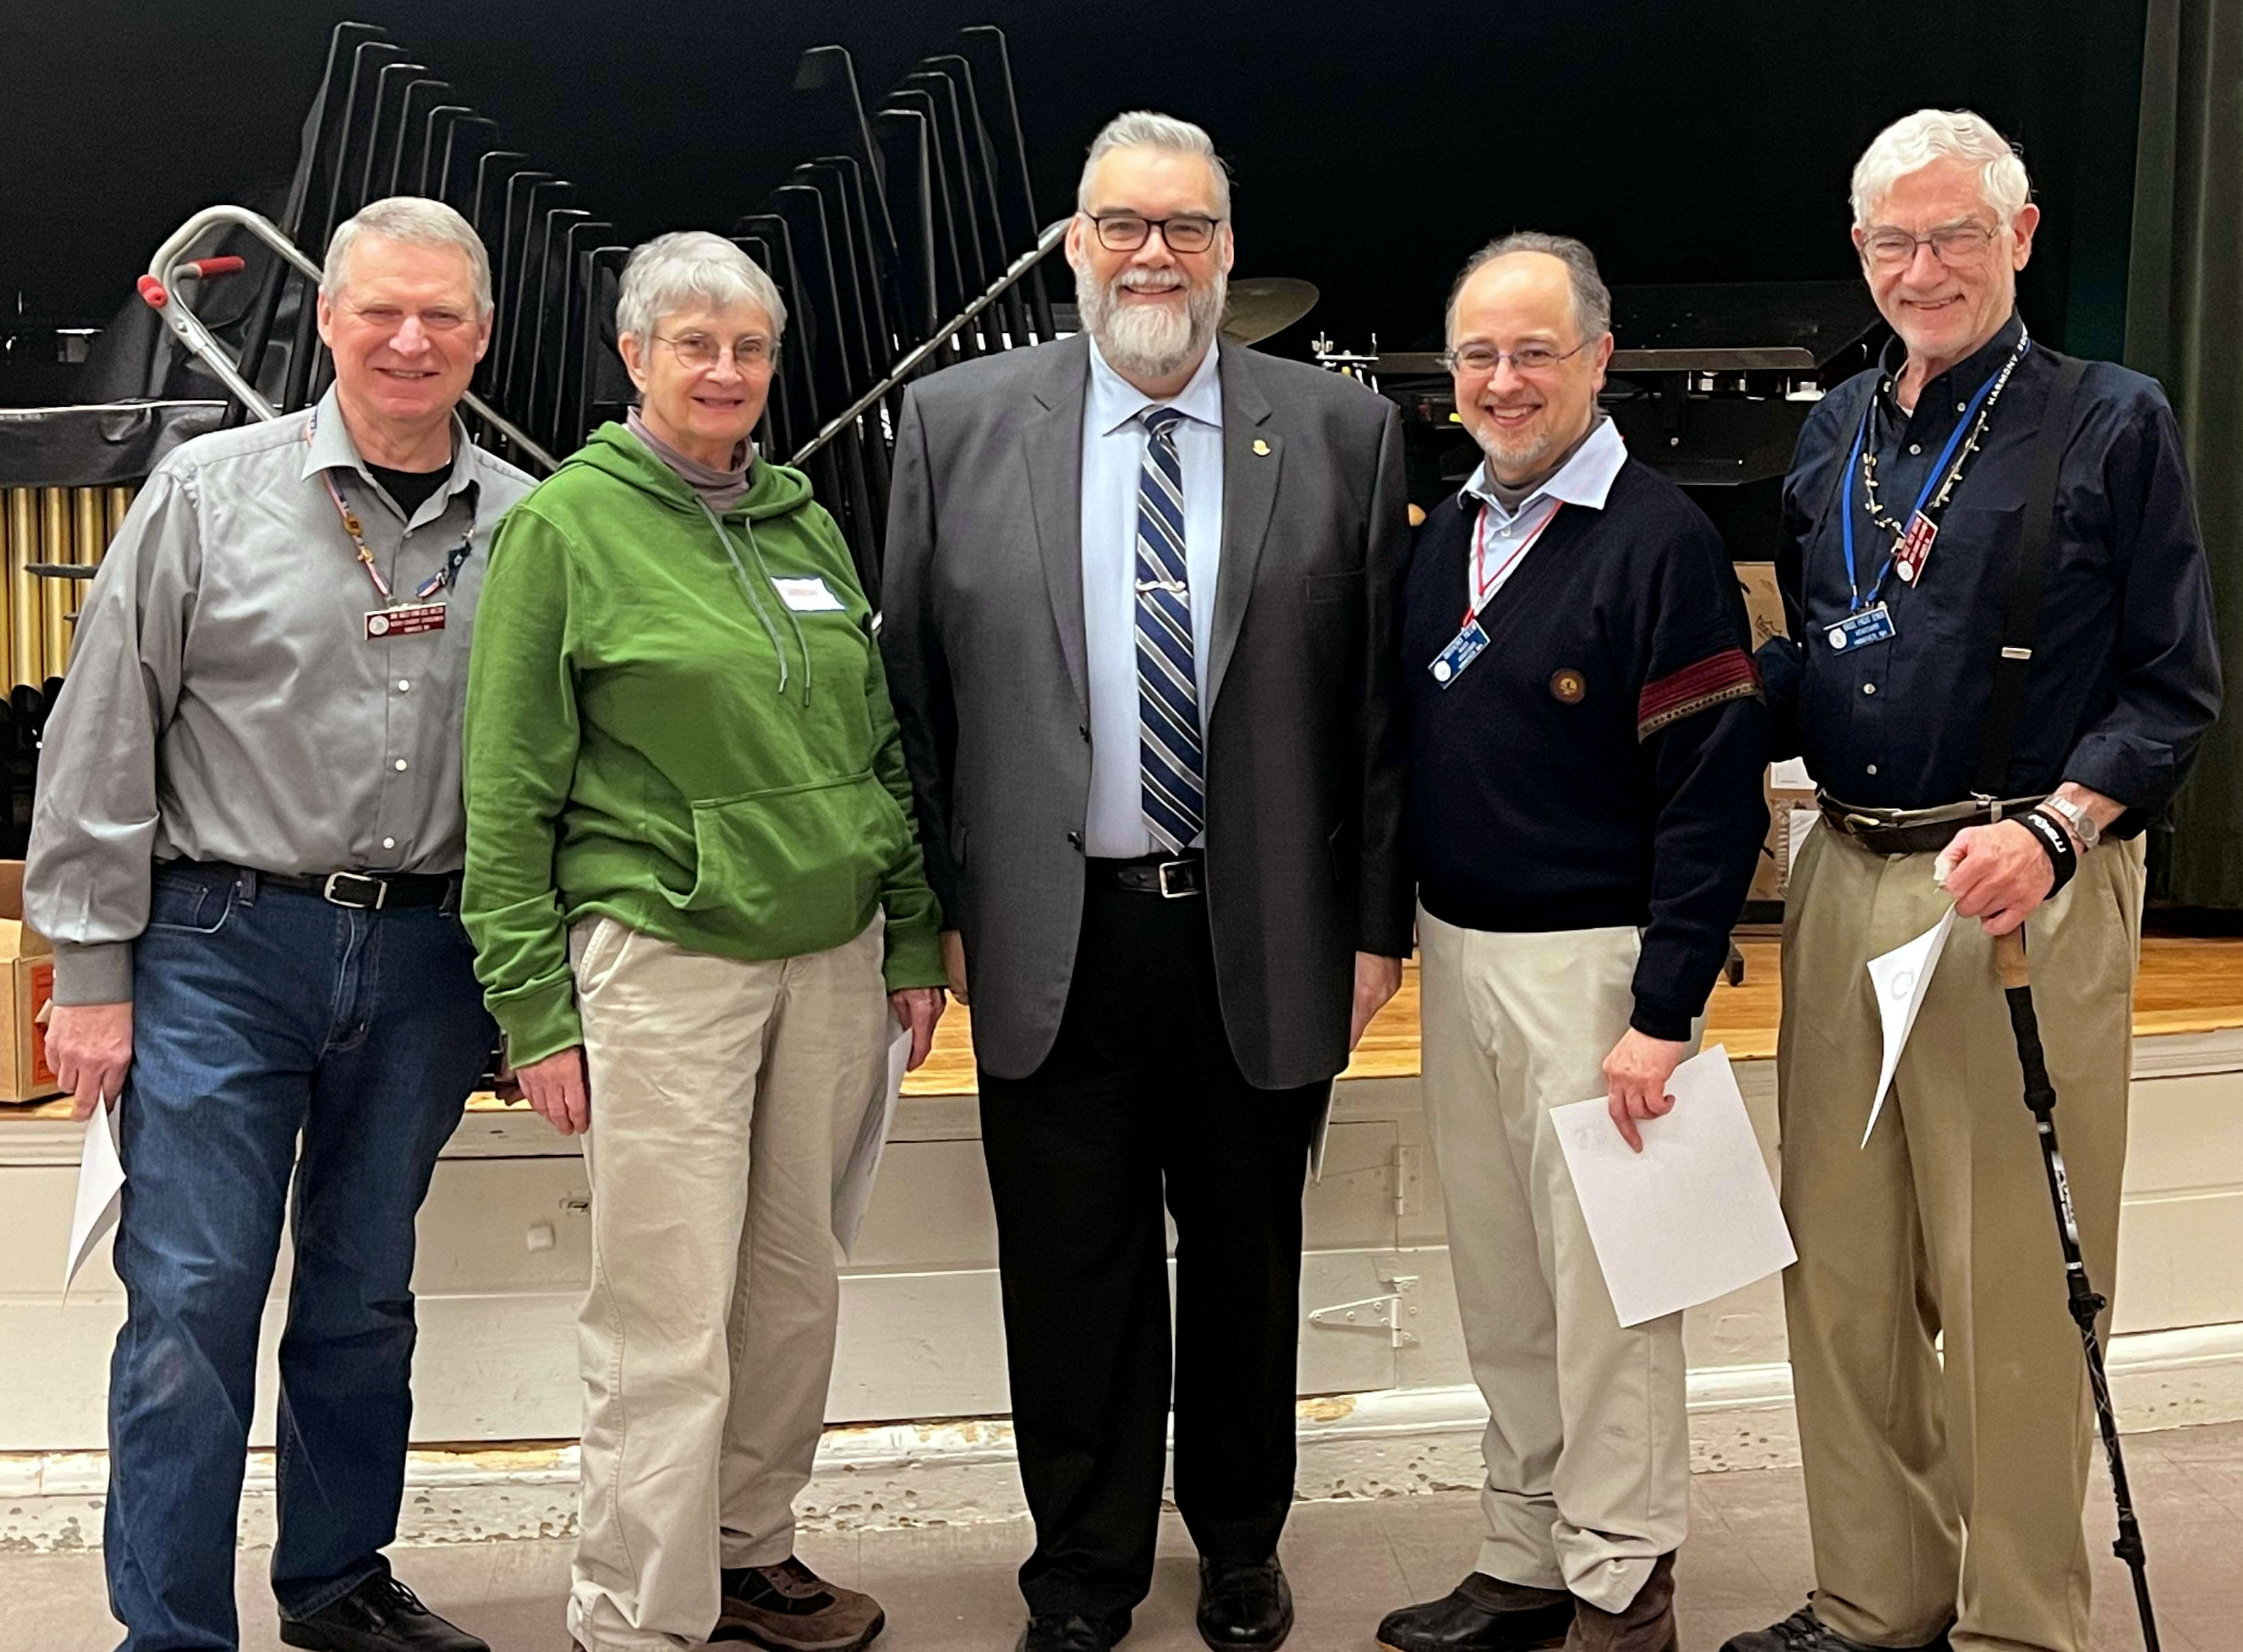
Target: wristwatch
{"points": [[2073, 815]]}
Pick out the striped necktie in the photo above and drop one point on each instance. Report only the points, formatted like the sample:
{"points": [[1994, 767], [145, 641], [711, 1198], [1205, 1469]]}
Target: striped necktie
{"points": [[1167, 690]]}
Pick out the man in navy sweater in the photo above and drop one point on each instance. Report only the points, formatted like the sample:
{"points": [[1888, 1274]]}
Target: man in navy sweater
{"points": [[1585, 811]]}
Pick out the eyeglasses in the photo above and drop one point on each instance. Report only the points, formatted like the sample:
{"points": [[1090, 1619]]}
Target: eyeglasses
{"points": [[699, 350], [1477, 358], [388, 318], [1888, 248], [1126, 231]]}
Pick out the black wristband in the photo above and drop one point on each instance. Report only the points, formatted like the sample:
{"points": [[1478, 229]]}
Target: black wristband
{"points": [[2056, 842]]}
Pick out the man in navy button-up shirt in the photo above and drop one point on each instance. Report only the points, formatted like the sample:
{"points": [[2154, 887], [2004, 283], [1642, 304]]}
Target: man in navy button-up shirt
{"points": [[1913, 488]]}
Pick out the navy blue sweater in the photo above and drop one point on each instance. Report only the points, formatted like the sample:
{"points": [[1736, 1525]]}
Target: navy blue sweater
{"points": [[1601, 764]]}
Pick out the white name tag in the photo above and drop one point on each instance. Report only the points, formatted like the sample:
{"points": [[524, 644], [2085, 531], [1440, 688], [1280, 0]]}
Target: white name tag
{"points": [[807, 595]]}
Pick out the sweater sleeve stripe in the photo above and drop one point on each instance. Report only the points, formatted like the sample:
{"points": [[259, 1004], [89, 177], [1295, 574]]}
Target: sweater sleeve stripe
{"points": [[1730, 675]]}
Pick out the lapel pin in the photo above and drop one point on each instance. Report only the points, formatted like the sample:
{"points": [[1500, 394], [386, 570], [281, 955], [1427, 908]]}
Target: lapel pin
{"points": [[1261, 447]]}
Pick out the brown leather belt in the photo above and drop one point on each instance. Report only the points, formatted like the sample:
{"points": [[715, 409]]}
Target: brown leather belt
{"points": [[1916, 830], [1171, 876]]}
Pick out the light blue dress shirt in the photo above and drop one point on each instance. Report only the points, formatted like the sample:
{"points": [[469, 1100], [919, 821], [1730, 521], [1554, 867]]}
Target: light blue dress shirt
{"points": [[1585, 479], [1113, 456]]}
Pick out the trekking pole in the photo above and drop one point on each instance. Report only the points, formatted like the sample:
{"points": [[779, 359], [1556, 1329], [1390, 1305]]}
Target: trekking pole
{"points": [[2085, 1303]]}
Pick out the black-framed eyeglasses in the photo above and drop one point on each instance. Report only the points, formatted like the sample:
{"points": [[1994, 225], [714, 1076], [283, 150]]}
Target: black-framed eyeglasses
{"points": [[1887, 248], [1126, 231], [1527, 358]]}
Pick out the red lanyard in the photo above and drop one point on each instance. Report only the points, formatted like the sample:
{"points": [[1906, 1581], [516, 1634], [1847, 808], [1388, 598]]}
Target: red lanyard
{"points": [[1483, 584], [356, 530]]}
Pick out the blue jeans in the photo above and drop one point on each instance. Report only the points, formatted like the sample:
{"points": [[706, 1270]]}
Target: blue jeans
{"points": [[260, 1012]]}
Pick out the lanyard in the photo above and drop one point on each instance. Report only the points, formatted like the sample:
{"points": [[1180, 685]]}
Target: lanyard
{"points": [[1932, 478], [1483, 584], [356, 532]]}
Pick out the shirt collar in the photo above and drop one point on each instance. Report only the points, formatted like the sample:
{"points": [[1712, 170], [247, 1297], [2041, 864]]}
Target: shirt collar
{"points": [[1960, 381], [330, 448], [1585, 479], [1114, 400]]}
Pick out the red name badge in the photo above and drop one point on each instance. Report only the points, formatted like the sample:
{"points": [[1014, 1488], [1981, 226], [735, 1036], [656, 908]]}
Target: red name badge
{"points": [[411, 619], [1913, 549]]}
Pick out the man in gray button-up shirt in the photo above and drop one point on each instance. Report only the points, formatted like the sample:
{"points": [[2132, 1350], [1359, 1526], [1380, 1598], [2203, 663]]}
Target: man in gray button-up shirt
{"points": [[245, 850]]}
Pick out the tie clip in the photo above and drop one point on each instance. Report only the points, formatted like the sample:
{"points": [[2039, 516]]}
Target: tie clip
{"points": [[1173, 587]]}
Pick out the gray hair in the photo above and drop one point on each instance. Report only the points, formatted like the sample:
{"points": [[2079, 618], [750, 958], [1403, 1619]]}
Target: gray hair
{"points": [[689, 269], [1142, 129], [1915, 141], [1591, 299], [416, 221]]}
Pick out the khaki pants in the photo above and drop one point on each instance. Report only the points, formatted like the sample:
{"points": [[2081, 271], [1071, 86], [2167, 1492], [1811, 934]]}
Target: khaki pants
{"points": [[725, 1097], [1588, 1441], [1942, 1227]]}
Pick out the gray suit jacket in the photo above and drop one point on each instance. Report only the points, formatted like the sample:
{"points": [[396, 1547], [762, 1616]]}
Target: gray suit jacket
{"points": [[982, 635]]}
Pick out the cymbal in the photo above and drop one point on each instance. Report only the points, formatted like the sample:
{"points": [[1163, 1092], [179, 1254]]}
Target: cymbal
{"points": [[1262, 305]]}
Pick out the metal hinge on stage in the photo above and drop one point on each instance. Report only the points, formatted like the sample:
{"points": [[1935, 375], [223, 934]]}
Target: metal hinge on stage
{"points": [[1373, 1313]]}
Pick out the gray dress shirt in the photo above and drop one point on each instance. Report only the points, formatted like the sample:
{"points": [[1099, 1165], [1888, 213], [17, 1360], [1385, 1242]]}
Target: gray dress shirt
{"points": [[1113, 457], [224, 702]]}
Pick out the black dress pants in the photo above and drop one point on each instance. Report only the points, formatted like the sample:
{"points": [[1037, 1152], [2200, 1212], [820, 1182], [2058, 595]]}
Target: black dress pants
{"points": [[1139, 1095]]}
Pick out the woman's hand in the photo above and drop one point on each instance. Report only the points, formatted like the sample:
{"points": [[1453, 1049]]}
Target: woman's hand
{"points": [[555, 1089], [918, 1008]]}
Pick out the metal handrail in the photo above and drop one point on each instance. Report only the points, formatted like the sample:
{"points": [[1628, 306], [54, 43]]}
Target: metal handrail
{"points": [[159, 289], [1052, 234]]}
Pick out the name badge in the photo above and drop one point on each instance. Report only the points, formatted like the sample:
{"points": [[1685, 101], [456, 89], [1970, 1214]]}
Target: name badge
{"points": [[410, 619], [1463, 648], [807, 595], [1864, 629]]}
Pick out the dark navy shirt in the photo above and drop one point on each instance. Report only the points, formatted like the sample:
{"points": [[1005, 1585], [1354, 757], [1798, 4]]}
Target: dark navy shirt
{"points": [[2124, 676]]}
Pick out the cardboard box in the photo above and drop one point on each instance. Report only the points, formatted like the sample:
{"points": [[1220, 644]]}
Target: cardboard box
{"points": [[1764, 602], [27, 986], [1763, 607]]}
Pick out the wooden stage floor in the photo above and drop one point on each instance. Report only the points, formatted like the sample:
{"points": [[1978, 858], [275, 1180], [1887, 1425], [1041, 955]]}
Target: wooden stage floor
{"points": [[2187, 986]]}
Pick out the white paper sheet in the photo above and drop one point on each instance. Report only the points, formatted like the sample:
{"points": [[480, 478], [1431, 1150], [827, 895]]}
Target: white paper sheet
{"points": [[100, 1191], [1691, 1217], [852, 1195], [1899, 979], [1790, 775]]}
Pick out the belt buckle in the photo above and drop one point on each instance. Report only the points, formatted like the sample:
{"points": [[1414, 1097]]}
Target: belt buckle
{"points": [[1161, 873], [330, 891]]}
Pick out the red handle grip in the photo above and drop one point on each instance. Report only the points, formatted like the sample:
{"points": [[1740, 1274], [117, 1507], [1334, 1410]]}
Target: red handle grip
{"points": [[152, 292], [209, 267]]}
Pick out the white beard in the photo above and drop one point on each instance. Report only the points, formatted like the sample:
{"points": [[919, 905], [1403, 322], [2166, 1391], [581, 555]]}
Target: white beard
{"points": [[1149, 340]]}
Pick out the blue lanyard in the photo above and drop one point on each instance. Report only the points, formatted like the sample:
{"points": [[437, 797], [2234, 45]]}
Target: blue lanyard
{"points": [[1932, 478]]}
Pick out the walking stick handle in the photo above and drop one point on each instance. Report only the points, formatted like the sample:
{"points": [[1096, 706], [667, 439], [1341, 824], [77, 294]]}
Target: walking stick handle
{"points": [[2010, 958]]}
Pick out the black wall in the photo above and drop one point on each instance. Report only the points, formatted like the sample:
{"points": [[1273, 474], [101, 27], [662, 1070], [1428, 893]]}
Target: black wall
{"points": [[1374, 146]]}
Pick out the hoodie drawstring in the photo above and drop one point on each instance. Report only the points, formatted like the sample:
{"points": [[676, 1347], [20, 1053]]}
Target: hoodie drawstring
{"points": [[755, 599]]}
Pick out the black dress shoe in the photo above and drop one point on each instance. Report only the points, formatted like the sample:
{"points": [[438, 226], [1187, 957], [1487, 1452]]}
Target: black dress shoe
{"points": [[1245, 1608], [1803, 1632], [1482, 1614], [379, 1615], [1074, 1631]]}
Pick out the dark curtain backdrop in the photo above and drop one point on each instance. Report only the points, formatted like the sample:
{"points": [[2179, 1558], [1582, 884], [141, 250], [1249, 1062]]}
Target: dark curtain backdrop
{"points": [[2184, 324]]}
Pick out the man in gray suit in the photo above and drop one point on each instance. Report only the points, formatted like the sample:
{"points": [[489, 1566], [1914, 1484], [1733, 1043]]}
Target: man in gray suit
{"points": [[1138, 632]]}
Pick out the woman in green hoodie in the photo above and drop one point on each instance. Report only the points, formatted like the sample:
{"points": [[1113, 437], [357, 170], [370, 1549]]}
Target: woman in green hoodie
{"points": [[694, 889]]}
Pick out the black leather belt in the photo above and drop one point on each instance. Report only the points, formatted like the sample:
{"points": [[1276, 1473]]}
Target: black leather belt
{"points": [[1916, 830], [1153, 875], [360, 891]]}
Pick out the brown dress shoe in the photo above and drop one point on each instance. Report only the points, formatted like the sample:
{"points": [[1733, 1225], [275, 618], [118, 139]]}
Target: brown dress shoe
{"points": [[788, 1608], [1646, 1625]]}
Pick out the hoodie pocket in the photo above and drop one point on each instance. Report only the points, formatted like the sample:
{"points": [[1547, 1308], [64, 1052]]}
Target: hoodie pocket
{"points": [[797, 863]]}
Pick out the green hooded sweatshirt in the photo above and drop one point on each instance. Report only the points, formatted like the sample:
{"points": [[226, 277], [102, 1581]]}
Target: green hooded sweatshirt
{"points": [[678, 721]]}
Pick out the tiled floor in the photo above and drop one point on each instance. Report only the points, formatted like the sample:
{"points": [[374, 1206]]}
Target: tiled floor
{"points": [[949, 1589]]}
